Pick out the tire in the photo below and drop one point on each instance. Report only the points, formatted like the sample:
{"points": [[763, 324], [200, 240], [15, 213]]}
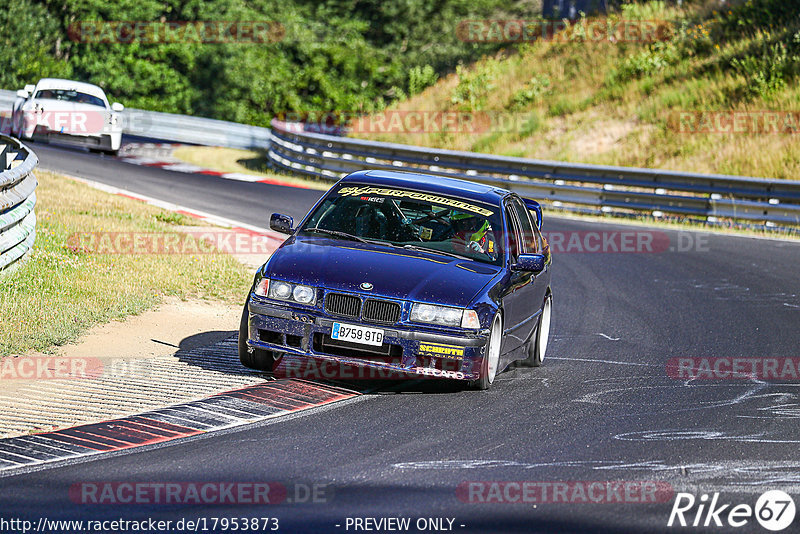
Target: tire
{"points": [[491, 359], [537, 348], [258, 359]]}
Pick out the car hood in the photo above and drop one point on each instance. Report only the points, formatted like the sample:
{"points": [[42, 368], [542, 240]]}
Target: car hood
{"points": [[393, 273]]}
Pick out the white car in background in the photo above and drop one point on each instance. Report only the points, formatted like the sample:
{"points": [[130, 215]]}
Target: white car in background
{"points": [[68, 112]]}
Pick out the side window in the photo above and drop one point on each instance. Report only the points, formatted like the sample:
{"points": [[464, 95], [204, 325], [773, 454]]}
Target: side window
{"points": [[534, 217], [529, 244], [539, 243], [513, 232]]}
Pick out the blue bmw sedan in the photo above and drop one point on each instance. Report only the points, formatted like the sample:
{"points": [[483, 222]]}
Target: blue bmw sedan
{"points": [[416, 274]]}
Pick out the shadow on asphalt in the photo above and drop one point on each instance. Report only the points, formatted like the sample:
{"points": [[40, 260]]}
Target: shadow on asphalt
{"points": [[214, 350], [217, 350], [203, 339]]}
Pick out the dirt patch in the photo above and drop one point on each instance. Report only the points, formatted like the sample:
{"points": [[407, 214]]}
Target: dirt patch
{"points": [[602, 137], [171, 326], [182, 350]]}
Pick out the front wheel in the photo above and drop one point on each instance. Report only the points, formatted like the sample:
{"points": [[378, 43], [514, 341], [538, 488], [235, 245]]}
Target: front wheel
{"points": [[538, 347], [258, 359], [491, 358]]}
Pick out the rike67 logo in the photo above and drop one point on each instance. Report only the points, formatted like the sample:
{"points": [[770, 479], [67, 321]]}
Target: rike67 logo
{"points": [[774, 510]]}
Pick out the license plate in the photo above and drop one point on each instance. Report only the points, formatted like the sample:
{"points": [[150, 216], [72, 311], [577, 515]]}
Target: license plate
{"points": [[357, 334]]}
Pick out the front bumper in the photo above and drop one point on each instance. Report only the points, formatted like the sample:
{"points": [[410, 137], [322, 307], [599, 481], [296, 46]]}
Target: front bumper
{"points": [[407, 351], [98, 141]]}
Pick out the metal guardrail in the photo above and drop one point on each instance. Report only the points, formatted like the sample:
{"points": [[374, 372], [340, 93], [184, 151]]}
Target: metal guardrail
{"points": [[177, 128], [569, 186], [6, 101], [17, 200], [195, 130]]}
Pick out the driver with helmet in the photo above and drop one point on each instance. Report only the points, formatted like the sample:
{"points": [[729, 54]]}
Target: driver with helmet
{"points": [[472, 232]]}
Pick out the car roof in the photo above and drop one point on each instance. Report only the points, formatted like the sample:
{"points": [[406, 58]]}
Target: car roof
{"points": [[429, 183], [70, 85]]}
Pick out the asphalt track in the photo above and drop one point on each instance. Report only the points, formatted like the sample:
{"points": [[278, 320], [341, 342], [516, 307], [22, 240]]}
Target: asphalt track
{"points": [[602, 408]]}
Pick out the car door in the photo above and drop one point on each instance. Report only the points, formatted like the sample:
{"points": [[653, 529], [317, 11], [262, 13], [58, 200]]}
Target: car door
{"points": [[514, 298], [534, 244], [526, 295]]}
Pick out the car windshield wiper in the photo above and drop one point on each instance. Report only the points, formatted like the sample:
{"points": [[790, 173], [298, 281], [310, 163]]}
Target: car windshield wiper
{"points": [[337, 233], [352, 237], [436, 251]]}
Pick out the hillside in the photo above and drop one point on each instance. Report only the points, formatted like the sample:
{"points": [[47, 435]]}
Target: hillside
{"points": [[716, 93]]}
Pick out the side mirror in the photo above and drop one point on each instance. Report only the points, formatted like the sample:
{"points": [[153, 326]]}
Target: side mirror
{"points": [[534, 206], [281, 223], [22, 93], [30, 88], [116, 106], [530, 263]]}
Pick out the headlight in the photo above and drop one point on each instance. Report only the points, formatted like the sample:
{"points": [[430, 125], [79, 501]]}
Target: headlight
{"points": [[280, 290], [285, 291], [303, 294], [444, 315]]}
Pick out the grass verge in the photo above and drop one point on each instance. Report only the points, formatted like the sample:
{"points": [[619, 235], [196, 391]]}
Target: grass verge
{"points": [[58, 293]]}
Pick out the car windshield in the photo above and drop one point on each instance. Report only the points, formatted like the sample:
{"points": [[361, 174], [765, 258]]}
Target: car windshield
{"points": [[410, 219], [70, 96]]}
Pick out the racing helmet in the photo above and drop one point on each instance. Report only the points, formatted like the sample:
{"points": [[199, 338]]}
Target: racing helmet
{"points": [[471, 227]]}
